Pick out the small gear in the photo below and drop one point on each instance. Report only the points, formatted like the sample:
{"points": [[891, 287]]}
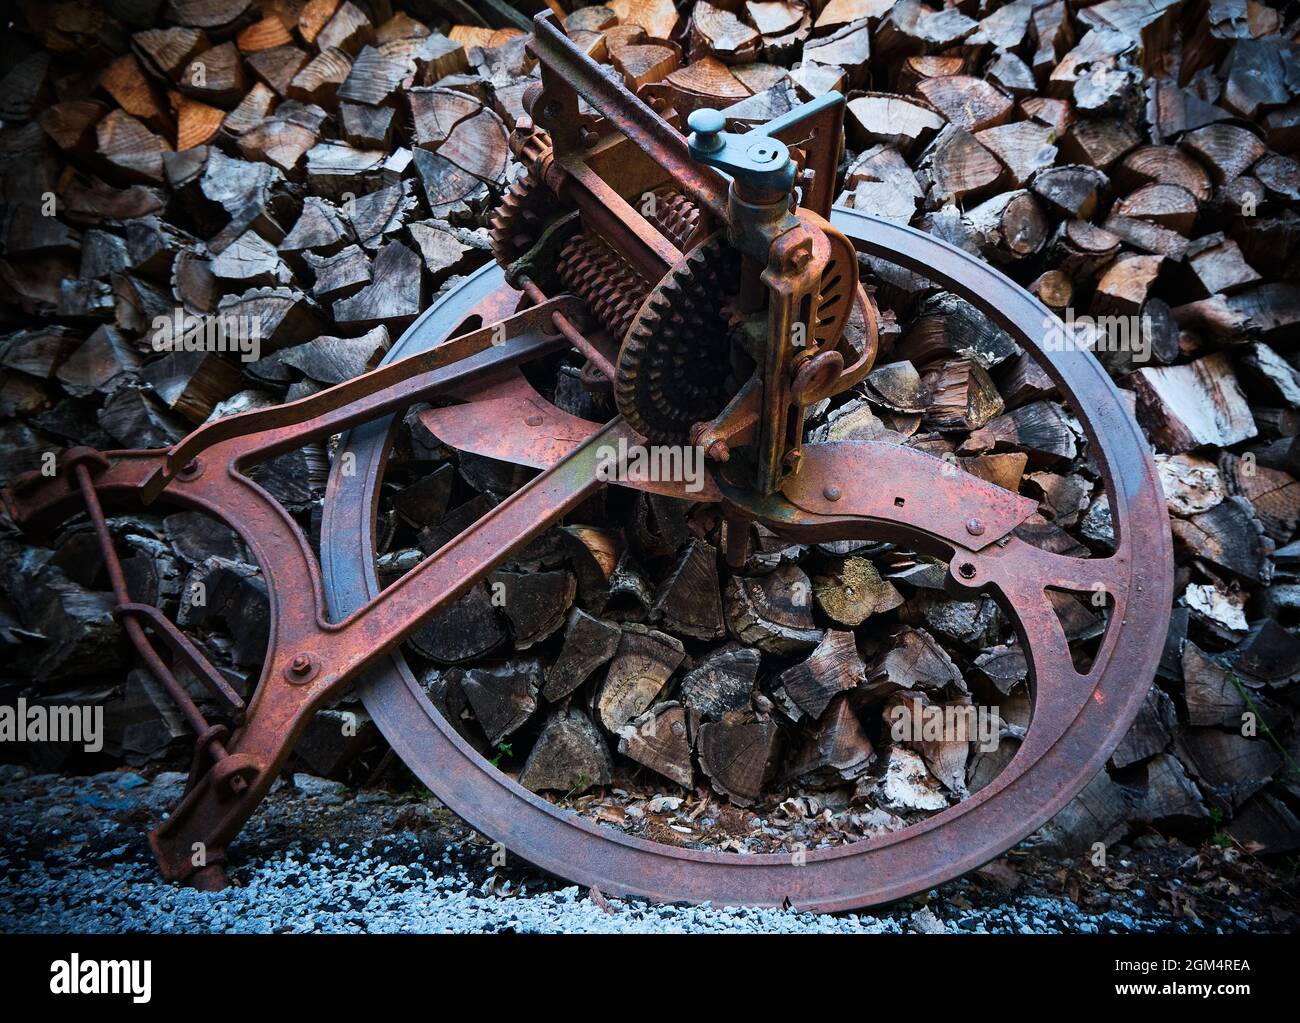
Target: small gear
{"points": [[520, 219], [602, 278], [674, 365], [677, 218]]}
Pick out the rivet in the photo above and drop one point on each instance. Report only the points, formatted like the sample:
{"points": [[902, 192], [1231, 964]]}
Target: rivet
{"points": [[975, 527], [534, 420], [832, 493]]}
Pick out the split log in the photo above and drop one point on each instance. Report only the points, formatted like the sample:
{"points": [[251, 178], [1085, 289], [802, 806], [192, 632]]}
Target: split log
{"points": [[1124, 287], [464, 630], [1199, 403], [969, 103], [192, 383], [588, 643], [637, 675], [721, 682], [641, 65], [1004, 470], [836, 748], [593, 555], [1164, 165], [945, 750], [1023, 147], [503, 697], [1170, 206], [1230, 767], [915, 660], [659, 740], [773, 612], [1229, 536], [833, 667], [1005, 666], [104, 359], [1218, 267], [125, 81], [395, 296], [962, 396], [1071, 190], [130, 149], [658, 17], [848, 48], [340, 275], [891, 120], [1273, 495], [319, 230], [1227, 150], [689, 599], [1150, 732], [961, 168], [1038, 429], [946, 325], [569, 756], [716, 31], [739, 755], [1269, 655], [535, 603], [250, 261], [167, 51], [277, 66], [1211, 696]]}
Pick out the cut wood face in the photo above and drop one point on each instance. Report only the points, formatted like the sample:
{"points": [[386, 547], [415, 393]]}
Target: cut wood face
{"points": [[329, 174]]}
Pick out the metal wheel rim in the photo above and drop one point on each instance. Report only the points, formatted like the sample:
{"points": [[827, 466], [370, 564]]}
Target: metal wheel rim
{"points": [[870, 871]]}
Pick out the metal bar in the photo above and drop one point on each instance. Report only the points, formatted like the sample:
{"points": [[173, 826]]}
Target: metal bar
{"points": [[471, 356], [613, 100], [571, 333], [450, 571], [117, 579], [649, 252], [181, 647]]}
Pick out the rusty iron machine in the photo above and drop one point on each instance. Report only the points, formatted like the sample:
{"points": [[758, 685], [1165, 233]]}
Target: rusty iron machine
{"points": [[713, 292]]}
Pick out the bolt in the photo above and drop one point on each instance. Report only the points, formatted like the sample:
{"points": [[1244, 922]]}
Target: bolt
{"points": [[300, 665], [975, 527], [832, 493], [707, 125], [718, 451]]}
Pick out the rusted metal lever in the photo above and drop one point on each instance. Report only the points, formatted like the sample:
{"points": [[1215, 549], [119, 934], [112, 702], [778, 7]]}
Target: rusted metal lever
{"points": [[309, 659], [371, 395]]}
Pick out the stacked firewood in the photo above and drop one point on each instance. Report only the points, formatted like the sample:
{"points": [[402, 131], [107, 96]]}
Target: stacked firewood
{"points": [[325, 168]]}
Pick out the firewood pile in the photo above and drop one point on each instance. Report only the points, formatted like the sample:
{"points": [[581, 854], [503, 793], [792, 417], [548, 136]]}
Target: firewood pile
{"points": [[324, 169]]}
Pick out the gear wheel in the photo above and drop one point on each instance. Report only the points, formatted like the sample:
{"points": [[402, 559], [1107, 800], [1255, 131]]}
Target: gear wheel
{"points": [[600, 277], [677, 218], [520, 219], [673, 367]]}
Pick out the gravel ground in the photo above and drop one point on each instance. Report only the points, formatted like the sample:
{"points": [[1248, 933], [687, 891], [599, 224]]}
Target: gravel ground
{"points": [[320, 858]]}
